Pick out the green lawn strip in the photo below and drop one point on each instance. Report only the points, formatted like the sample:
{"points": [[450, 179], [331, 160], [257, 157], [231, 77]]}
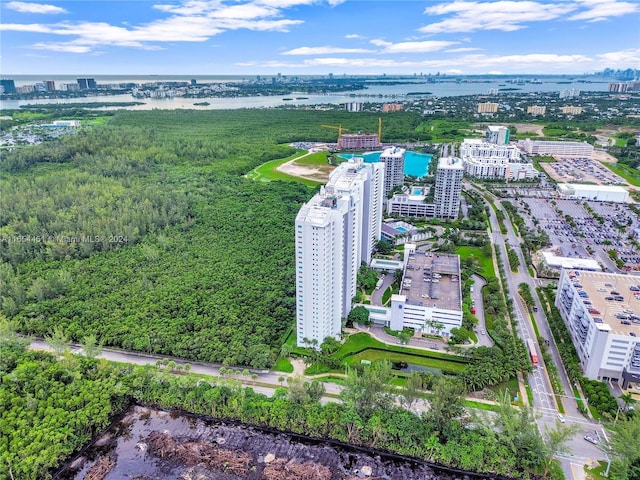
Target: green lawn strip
{"points": [[361, 341], [379, 355], [489, 407], [529, 394], [629, 174], [485, 262], [283, 365], [535, 325], [579, 399], [386, 296]]}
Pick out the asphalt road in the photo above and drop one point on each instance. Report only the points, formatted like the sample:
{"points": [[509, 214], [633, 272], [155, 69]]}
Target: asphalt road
{"points": [[543, 395], [483, 338]]}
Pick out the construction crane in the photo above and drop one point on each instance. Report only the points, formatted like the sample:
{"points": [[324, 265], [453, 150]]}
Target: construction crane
{"points": [[338, 127]]}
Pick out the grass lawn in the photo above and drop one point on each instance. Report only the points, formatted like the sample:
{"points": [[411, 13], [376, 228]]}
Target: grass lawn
{"points": [[268, 172], [283, 365], [511, 385], [480, 405], [362, 341], [631, 175], [535, 325], [423, 361], [317, 158], [486, 263], [596, 473]]}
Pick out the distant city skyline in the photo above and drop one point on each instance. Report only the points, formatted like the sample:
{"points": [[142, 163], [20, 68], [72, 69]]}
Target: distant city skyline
{"points": [[317, 37]]}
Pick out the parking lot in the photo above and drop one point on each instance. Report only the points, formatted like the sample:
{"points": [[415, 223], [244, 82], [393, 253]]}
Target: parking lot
{"points": [[581, 170], [576, 233]]}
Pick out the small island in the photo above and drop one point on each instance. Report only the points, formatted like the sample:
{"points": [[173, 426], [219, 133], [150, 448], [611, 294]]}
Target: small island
{"points": [[201, 104]]}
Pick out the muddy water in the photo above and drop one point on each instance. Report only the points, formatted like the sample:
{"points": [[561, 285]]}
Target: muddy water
{"points": [[149, 444]]}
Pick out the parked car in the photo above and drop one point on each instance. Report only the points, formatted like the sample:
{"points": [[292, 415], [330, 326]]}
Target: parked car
{"points": [[591, 439]]}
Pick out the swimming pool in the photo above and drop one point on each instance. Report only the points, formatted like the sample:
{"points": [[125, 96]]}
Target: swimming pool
{"points": [[415, 164], [400, 229]]}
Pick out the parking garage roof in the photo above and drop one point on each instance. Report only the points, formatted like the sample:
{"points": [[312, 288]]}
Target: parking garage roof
{"points": [[433, 280], [602, 289]]}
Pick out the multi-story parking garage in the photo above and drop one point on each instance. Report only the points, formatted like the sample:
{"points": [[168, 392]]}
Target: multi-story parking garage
{"points": [[602, 313]]}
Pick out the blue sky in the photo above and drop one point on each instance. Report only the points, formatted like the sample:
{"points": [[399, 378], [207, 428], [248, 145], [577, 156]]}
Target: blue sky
{"points": [[307, 37]]}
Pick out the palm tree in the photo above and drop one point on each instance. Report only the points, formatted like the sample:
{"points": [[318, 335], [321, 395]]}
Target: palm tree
{"points": [[627, 399]]}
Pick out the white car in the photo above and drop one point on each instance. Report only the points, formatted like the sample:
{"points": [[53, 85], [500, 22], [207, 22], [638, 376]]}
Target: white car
{"points": [[561, 418]]}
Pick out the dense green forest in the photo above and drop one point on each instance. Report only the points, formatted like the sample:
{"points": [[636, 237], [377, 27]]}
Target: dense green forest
{"points": [[143, 231]]}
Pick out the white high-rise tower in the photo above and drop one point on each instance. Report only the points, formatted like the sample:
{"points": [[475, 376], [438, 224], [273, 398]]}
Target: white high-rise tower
{"points": [[448, 188], [393, 159], [335, 232]]}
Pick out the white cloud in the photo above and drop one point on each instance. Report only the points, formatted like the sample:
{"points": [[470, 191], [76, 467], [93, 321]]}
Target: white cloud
{"points": [[598, 10], [353, 35], [463, 50], [505, 15], [188, 21], [620, 59], [324, 50], [25, 7], [62, 47], [412, 47]]}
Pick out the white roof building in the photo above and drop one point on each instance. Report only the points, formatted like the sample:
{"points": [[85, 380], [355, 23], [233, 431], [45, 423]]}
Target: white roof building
{"points": [[561, 149], [603, 193]]}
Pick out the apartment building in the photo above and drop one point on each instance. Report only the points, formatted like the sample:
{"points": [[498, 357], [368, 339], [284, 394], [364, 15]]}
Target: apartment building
{"points": [[359, 141], [536, 110], [490, 161], [569, 110], [487, 107], [393, 159], [497, 134], [602, 313], [448, 187], [335, 232]]}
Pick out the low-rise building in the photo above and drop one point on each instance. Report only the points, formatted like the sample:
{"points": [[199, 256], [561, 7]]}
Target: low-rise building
{"points": [[569, 110], [430, 299], [536, 110], [487, 107], [399, 232], [602, 313], [556, 148], [359, 141], [602, 193], [411, 203]]}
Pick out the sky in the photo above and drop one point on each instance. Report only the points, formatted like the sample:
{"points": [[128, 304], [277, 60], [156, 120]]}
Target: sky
{"points": [[318, 37]]}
